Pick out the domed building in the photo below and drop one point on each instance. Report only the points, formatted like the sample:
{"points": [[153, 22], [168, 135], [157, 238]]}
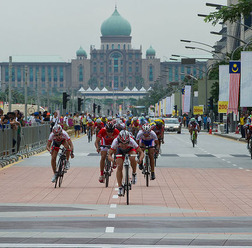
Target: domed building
{"points": [[116, 63]]}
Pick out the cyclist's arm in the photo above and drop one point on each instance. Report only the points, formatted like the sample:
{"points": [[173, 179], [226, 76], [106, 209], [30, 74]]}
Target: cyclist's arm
{"points": [[97, 141], [48, 146], [110, 153], [157, 144], [70, 144], [141, 155]]}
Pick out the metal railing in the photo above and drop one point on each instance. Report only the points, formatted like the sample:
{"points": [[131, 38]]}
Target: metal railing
{"points": [[21, 140]]}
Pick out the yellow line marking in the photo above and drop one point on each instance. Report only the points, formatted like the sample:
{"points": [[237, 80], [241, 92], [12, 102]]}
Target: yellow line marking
{"points": [[9, 165]]}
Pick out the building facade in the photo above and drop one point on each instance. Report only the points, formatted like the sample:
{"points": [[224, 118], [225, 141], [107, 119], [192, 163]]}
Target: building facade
{"points": [[115, 65]]}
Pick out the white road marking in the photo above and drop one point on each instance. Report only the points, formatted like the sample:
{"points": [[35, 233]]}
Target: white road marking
{"points": [[247, 170], [113, 205], [111, 216], [116, 189], [110, 229], [115, 196], [234, 165], [240, 168]]}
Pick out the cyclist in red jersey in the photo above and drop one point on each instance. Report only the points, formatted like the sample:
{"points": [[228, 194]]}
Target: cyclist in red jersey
{"points": [[105, 137], [98, 126]]}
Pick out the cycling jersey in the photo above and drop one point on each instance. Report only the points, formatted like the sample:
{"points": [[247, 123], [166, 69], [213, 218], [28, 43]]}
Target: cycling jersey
{"points": [[135, 124], [193, 125], [58, 140], [105, 139], [99, 125], [151, 136], [157, 130], [117, 144], [90, 124]]}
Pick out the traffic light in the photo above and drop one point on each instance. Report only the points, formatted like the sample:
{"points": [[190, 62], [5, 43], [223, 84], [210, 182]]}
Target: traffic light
{"points": [[94, 107], [175, 108], [210, 103], [79, 103], [66, 98], [99, 109]]}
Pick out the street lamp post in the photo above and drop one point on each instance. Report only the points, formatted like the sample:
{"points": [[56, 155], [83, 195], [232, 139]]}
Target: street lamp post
{"points": [[227, 35], [10, 81], [26, 74]]}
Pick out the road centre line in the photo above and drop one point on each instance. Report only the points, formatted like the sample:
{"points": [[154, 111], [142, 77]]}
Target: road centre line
{"points": [[110, 229], [111, 216]]}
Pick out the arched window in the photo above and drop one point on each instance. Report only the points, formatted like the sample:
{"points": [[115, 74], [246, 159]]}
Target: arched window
{"points": [[116, 57], [80, 73], [151, 73]]}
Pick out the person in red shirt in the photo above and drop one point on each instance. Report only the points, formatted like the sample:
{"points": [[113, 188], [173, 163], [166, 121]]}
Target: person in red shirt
{"points": [[105, 137], [98, 126]]}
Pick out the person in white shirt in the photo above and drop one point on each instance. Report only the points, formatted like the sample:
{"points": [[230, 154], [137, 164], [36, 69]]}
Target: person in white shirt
{"points": [[65, 120]]}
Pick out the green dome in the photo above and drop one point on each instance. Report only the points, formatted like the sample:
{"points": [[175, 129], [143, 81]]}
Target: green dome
{"points": [[81, 52], [116, 25], [150, 52]]}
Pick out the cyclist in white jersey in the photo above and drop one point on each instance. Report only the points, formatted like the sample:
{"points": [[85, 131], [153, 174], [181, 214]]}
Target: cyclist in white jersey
{"points": [[125, 144], [57, 138], [147, 137]]}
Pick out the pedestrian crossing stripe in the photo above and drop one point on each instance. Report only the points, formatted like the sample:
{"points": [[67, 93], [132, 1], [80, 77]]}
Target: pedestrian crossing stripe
{"points": [[165, 155]]}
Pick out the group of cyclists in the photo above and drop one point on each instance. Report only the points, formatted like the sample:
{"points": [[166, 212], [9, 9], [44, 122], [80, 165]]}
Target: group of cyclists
{"points": [[119, 136]]}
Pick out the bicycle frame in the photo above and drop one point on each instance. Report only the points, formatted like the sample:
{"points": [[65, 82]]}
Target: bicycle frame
{"points": [[126, 179], [107, 168], [60, 169]]}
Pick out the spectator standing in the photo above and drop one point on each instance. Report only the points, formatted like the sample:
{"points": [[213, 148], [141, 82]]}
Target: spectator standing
{"points": [[65, 121], [242, 122], [84, 124], [54, 120], [199, 120], [208, 123], [77, 124], [205, 122]]}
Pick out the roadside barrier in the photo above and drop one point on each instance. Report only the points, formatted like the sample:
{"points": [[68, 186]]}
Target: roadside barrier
{"points": [[22, 141]]}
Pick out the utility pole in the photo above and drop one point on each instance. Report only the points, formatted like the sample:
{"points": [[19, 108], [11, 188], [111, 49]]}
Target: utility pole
{"points": [[10, 81], [26, 72], [38, 91]]}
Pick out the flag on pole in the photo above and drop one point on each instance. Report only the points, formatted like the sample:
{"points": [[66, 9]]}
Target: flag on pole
{"points": [[234, 85]]}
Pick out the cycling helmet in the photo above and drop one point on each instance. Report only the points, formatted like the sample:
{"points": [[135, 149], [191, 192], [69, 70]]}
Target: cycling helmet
{"points": [[146, 128], [110, 127], [159, 123], [124, 137], [110, 118], [89, 121], [147, 117], [98, 121], [142, 120], [57, 129], [103, 116], [134, 118], [192, 120]]}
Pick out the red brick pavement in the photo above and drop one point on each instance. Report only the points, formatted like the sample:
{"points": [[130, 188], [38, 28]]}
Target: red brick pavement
{"points": [[215, 192]]}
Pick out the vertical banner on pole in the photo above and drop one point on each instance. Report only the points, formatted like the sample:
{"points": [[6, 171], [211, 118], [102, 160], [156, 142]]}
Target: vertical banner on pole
{"points": [[163, 106], [187, 98], [120, 110], [234, 86], [172, 102], [183, 98], [159, 108], [168, 106], [223, 82], [156, 109], [246, 79]]}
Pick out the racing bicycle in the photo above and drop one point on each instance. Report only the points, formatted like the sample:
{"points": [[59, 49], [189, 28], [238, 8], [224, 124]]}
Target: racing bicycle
{"points": [[146, 167], [194, 139], [107, 168], [60, 168], [127, 182]]}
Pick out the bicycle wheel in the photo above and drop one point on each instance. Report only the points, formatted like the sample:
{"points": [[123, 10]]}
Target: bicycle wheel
{"points": [[193, 139], [107, 173], [147, 173], [61, 174], [89, 135], [127, 186], [58, 169]]}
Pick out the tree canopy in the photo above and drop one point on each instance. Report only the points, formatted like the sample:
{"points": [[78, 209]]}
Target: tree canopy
{"points": [[230, 13]]}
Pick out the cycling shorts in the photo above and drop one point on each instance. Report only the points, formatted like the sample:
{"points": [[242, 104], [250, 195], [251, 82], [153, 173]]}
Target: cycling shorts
{"points": [[57, 143], [122, 152], [148, 142]]}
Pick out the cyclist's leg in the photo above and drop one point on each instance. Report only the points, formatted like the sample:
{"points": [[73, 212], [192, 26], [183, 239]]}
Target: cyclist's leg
{"points": [[67, 146], [53, 158], [119, 171], [102, 161], [133, 161], [151, 156]]}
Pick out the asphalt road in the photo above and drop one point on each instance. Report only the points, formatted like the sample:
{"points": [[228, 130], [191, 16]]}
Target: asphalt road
{"points": [[201, 196]]}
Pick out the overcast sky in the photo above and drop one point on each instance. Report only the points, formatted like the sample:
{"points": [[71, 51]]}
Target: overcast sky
{"points": [[60, 27]]}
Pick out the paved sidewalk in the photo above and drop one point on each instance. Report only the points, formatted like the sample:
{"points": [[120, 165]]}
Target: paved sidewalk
{"points": [[233, 136]]}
